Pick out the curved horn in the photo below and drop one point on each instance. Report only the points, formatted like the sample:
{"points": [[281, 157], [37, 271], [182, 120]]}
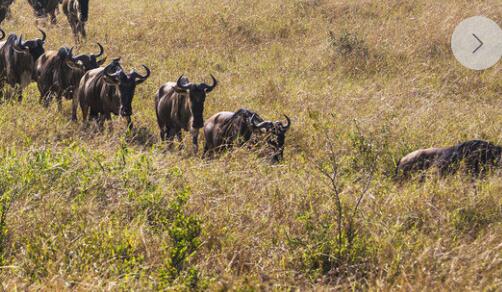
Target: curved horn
{"points": [[210, 88], [18, 45], [182, 86], [259, 125], [101, 51], [70, 55], [140, 77], [289, 123], [3, 34], [44, 36]]}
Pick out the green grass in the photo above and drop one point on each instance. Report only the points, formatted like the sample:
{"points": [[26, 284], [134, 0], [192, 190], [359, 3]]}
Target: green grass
{"points": [[364, 82]]}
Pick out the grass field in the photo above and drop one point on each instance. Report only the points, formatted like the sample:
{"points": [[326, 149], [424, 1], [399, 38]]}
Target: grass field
{"points": [[364, 82]]}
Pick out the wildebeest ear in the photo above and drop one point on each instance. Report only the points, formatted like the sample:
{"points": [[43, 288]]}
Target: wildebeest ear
{"points": [[102, 61]]}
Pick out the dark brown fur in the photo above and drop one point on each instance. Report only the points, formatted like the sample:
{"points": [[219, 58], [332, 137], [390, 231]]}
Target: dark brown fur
{"points": [[73, 11], [101, 93], [180, 106], [17, 61], [59, 72], [225, 129], [476, 156]]}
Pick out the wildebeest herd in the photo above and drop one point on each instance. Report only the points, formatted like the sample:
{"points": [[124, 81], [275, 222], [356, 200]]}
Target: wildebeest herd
{"points": [[76, 12], [101, 90]]}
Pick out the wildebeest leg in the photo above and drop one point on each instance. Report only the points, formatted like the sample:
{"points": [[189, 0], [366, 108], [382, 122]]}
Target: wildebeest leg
{"points": [[163, 134], [179, 137], [74, 106], [129, 122], [101, 119], [195, 140], [53, 17], [207, 154], [81, 25], [74, 30], [85, 113], [169, 134], [19, 92], [46, 97], [59, 101]]}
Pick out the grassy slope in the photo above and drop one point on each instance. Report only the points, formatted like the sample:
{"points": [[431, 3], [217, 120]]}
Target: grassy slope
{"points": [[98, 210]]}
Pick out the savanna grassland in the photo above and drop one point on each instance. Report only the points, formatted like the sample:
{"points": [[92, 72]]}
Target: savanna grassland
{"points": [[364, 82]]}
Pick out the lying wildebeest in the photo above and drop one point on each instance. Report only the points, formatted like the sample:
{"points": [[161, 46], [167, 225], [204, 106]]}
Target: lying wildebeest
{"points": [[17, 61], [475, 156], [103, 91], [225, 129], [44, 8], [180, 106], [76, 12], [59, 72], [5, 9]]}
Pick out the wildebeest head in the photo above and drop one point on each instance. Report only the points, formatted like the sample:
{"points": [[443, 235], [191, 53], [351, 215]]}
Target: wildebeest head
{"points": [[126, 84], [276, 135], [85, 62], [35, 46], [197, 94]]}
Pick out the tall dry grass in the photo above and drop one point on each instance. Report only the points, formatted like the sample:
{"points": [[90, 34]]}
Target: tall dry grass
{"points": [[373, 79]]}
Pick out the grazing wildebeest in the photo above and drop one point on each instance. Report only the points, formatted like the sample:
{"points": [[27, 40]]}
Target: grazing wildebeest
{"points": [[225, 129], [59, 72], [4, 9], [476, 156], [103, 91], [180, 106], [42, 8], [17, 61], [76, 12]]}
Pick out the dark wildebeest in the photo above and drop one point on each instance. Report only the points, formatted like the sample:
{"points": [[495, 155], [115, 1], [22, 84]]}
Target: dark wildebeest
{"points": [[43, 8], [59, 72], [103, 91], [77, 12], [475, 156], [17, 61], [180, 106], [2, 37], [5, 9], [225, 129]]}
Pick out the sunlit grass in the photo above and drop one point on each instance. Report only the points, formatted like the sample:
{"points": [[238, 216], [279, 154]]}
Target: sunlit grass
{"points": [[95, 211]]}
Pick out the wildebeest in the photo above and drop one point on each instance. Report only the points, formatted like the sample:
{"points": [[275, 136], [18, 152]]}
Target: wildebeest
{"points": [[103, 91], [76, 12], [225, 129], [2, 37], [476, 156], [180, 106], [44, 8], [59, 72], [4, 9], [17, 61]]}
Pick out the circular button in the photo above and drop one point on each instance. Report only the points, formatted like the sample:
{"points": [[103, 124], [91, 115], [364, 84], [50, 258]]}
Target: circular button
{"points": [[477, 43]]}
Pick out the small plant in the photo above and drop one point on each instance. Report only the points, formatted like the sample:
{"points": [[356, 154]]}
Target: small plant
{"points": [[348, 44], [184, 233], [4, 207]]}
